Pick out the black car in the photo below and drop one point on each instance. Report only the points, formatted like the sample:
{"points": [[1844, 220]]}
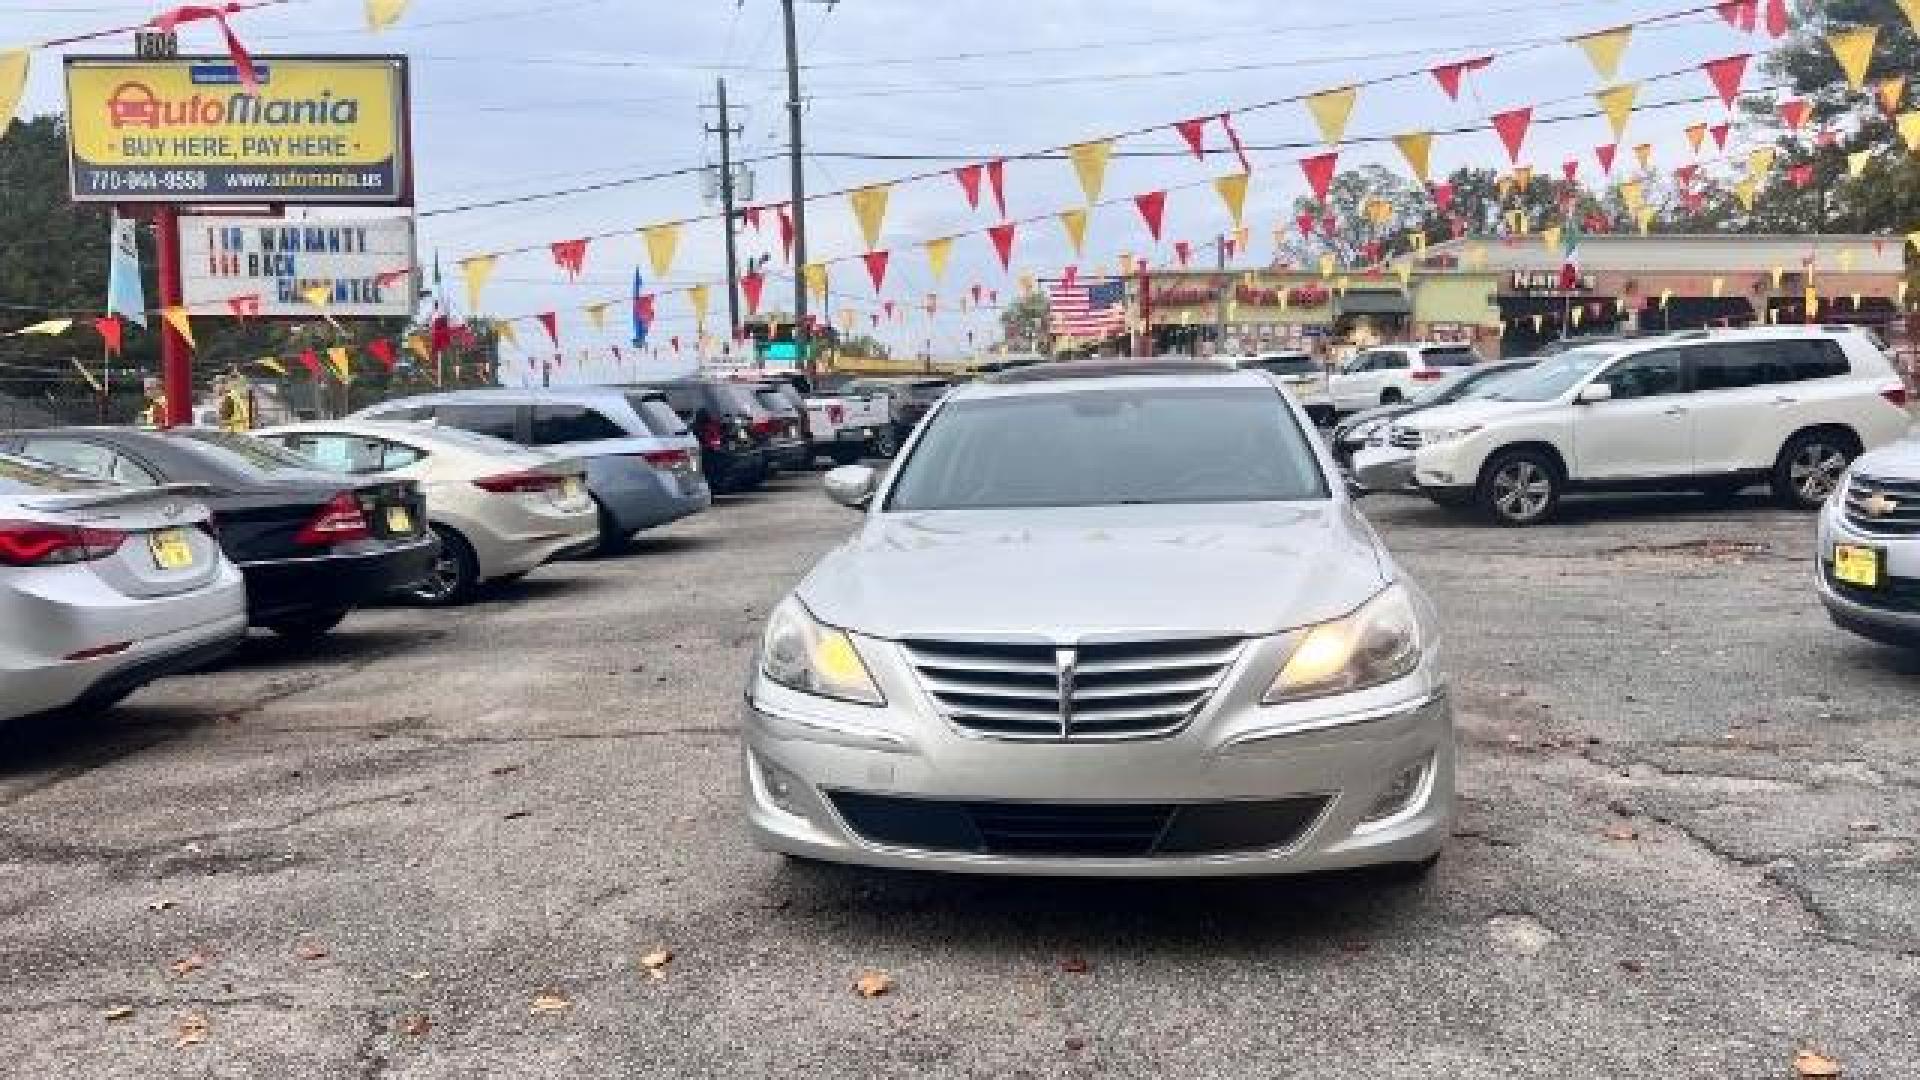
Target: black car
{"points": [[785, 425], [721, 415], [312, 545], [1352, 433]]}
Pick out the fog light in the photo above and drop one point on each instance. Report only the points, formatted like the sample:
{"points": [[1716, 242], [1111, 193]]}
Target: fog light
{"points": [[782, 787], [1400, 794]]}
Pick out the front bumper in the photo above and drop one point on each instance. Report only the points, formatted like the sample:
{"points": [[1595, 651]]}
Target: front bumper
{"points": [[830, 764], [1383, 468], [1889, 613]]}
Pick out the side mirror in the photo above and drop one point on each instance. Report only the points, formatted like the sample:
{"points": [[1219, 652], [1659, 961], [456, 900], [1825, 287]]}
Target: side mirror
{"points": [[852, 485], [1594, 393]]}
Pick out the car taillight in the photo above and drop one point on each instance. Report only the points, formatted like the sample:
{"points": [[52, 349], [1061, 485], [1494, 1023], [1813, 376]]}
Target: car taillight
{"points": [[762, 427], [33, 543], [1896, 396], [519, 482], [1428, 375], [836, 415], [710, 433], [338, 522], [667, 459]]}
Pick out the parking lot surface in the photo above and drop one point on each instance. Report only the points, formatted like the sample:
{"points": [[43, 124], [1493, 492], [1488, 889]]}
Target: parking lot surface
{"points": [[451, 844]]}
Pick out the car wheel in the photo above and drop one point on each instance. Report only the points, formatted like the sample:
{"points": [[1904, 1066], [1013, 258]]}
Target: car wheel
{"points": [[613, 539], [1809, 469], [886, 444], [1520, 488], [1391, 396], [455, 573], [308, 627]]}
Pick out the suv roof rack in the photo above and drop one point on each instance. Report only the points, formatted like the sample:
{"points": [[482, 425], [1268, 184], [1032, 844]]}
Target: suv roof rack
{"points": [[1107, 369]]}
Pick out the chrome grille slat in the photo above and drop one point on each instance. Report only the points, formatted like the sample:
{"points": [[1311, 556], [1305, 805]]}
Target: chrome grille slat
{"points": [[1117, 690], [1902, 520]]}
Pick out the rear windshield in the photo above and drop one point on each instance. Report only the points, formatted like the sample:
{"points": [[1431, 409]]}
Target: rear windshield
{"points": [[20, 477], [773, 401], [242, 453], [740, 399], [1289, 365], [1112, 446], [1461, 357], [658, 416]]}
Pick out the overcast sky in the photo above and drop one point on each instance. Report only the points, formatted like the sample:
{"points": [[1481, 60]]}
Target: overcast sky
{"points": [[517, 98]]}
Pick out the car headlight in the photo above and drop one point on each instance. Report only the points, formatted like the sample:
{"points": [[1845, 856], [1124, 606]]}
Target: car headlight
{"points": [[1362, 432], [1447, 435], [1376, 644], [801, 654]]}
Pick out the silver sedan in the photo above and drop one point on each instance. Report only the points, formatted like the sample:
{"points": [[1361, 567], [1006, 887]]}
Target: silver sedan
{"points": [[104, 589]]}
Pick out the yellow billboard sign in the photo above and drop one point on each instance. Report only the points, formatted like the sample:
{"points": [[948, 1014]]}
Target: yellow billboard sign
{"points": [[315, 130]]}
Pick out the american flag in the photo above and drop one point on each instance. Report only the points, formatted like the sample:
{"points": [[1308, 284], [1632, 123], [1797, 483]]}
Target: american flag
{"points": [[1082, 311]]}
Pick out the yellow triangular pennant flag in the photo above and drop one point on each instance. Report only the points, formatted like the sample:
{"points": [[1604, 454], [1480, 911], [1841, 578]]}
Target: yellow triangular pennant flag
{"points": [[870, 210], [384, 13], [1405, 270], [1760, 162], [274, 365], [13, 83], [698, 296], [1643, 153], [1857, 162], [1327, 265], [317, 295], [1914, 239], [816, 275], [1075, 222], [597, 314], [48, 328], [1633, 194], [417, 345], [1696, 135], [182, 324], [1854, 50], [1912, 8], [1746, 190], [341, 362], [1090, 165], [1617, 103], [1646, 219], [1605, 48], [1550, 238], [1909, 123], [1233, 192], [1330, 110], [1417, 148], [503, 329], [1889, 92], [477, 272], [662, 242], [938, 252]]}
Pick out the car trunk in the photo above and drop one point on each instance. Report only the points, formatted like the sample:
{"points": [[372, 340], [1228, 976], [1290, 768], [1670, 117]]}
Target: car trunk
{"points": [[164, 548], [295, 517]]}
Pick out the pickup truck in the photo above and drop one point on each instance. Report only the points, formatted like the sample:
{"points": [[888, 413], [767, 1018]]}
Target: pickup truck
{"points": [[850, 427]]}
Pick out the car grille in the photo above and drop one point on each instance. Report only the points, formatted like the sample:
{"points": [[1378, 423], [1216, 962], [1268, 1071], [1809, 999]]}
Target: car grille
{"points": [[1078, 830], [1026, 690], [1405, 438], [1898, 503]]}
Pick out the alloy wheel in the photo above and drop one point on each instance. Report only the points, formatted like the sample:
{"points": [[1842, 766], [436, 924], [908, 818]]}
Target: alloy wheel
{"points": [[1522, 490], [443, 581], [1816, 469]]}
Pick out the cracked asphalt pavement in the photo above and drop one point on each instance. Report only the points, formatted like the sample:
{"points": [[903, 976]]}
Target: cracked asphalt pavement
{"points": [[1687, 847]]}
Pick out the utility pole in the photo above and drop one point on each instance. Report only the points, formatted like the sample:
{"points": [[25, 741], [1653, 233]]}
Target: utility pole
{"points": [[727, 131], [798, 190], [1220, 306]]}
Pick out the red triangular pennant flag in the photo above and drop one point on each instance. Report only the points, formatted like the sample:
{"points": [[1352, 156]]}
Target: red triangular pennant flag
{"points": [[1319, 169], [888, 308], [1512, 126], [571, 257], [1305, 224], [551, 321], [969, 177], [1793, 113], [643, 307], [751, 215], [1777, 18], [311, 362], [1442, 196], [1002, 237], [167, 22], [1801, 175], [382, 350], [997, 180], [1571, 167], [1328, 226], [1195, 133], [111, 332], [1726, 74], [1605, 155], [1153, 207], [1685, 174], [751, 286], [1739, 14], [1720, 133], [1449, 74], [786, 232], [1826, 137], [1183, 251], [876, 267], [244, 307]]}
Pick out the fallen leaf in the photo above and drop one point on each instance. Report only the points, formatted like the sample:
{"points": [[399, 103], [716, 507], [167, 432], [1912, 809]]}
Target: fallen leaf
{"points": [[193, 1031], [310, 952], [656, 962], [1074, 965], [1622, 832], [159, 905], [191, 962], [872, 984], [1808, 1063], [118, 1013], [416, 1025], [550, 1003]]}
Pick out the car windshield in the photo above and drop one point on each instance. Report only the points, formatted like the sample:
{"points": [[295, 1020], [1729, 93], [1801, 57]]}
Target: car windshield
{"points": [[1469, 384], [243, 453], [658, 416], [1552, 378], [1111, 446], [24, 477], [1288, 365]]}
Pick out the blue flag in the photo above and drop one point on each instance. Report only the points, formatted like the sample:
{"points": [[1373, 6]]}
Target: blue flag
{"points": [[125, 297], [642, 311]]}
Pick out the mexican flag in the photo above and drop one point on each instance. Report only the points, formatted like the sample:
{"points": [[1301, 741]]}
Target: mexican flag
{"points": [[1570, 257]]}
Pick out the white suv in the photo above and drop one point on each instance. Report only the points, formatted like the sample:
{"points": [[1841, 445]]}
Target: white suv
{"points": [[1708, 411], [1392, 374]]}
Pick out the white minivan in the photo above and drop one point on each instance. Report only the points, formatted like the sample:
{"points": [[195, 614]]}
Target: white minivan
{"points": [[1714, 411], [1391, 374]]}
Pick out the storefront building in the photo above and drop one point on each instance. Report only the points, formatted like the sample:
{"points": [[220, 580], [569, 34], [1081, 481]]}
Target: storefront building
{"points": [[1242, 313]]}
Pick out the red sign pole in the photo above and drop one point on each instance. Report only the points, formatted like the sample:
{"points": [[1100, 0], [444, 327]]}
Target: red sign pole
{"points": [[176, 359]]}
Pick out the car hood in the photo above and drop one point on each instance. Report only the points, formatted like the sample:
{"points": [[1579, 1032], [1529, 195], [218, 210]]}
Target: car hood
{"points": [[1468, 413], [1241, 570], [1379, 412], [1900, 461]]}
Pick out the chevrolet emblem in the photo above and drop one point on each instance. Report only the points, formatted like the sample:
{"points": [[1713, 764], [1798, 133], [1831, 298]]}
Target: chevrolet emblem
{"points": [[1878, 505]]}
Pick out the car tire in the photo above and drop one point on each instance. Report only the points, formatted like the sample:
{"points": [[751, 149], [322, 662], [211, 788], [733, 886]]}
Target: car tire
{"points": [[1810, 467], [1520, 488], [309, 627], [455, 575], [613, 539], [1392, 396]]}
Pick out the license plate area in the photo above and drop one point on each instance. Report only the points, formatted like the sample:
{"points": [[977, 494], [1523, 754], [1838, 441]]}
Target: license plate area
{"points": [[399, 520], [172, 550], [1857, 566]]}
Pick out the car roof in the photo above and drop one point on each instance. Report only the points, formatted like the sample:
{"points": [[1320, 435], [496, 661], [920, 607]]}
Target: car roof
{"points": [[1131, 374]]}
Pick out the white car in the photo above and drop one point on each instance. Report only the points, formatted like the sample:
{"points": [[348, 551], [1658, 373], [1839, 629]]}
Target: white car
{"points": [[1303, 376], [499, 509], [1869, 549], [1392, 374], [104, 589], [1712, 411]]}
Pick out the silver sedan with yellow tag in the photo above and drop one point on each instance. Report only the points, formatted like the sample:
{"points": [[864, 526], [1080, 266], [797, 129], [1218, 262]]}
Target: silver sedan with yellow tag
{"points": [[1869, 554]]}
